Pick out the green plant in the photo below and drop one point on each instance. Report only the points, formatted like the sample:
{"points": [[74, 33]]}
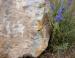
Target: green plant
{"points": [[62, 22]]}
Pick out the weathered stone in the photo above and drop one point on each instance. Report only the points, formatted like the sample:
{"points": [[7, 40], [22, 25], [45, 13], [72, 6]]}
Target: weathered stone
{"points": [[22, 28]]}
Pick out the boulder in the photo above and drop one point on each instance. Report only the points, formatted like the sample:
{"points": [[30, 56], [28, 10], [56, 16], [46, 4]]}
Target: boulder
{"points": [[23, 28]]}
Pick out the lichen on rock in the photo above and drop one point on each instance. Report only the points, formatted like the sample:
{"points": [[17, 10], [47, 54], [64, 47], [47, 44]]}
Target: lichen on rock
{"points": [[22, 28]]}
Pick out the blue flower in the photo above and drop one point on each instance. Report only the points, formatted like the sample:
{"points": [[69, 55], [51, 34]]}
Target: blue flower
{"points": [[47, 1], [60, 10], [52, 6], [59, 16], [69, 2]]}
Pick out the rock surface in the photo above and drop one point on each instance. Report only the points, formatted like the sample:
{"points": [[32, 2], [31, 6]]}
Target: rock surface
{"points": [[22, 28]]}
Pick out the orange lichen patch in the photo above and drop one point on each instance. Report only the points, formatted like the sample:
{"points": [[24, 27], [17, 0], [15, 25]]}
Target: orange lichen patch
{"points": [[3, 55], [14, 42], [39, 25], [2, 42], [40, 49]]}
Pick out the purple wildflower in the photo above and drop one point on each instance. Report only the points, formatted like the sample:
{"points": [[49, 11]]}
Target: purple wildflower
{"points": [[61, 10], [52, 6], [69, 2], [59, 16], [47, 1]]}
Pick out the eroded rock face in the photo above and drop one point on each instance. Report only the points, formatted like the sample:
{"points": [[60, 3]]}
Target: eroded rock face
{"points": [[22, 28]]}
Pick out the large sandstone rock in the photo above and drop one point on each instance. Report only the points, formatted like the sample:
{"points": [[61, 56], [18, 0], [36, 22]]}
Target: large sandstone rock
{"points": [[23, 30]]}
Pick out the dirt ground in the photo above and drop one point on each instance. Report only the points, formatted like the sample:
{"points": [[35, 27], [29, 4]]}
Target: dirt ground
{"points": [[70, 53]]}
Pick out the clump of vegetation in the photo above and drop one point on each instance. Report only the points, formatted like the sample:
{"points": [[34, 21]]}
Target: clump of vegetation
{"points": [[62, 22]]}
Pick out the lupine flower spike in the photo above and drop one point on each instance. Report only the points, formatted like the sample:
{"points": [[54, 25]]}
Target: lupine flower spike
{"points": [[59, 15]]}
